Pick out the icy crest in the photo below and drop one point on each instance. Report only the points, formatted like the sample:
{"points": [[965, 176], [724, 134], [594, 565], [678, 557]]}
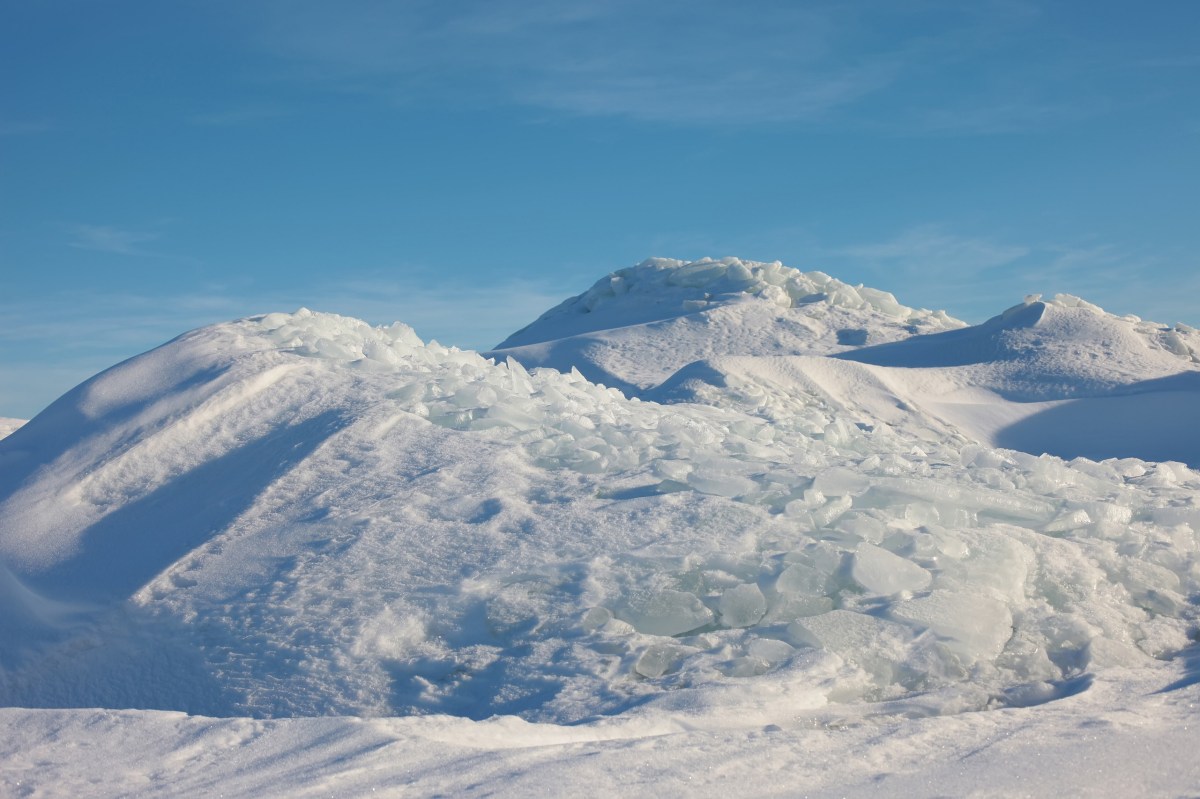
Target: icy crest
{"points": [[10, 426], [659, 288], [636, 327]]}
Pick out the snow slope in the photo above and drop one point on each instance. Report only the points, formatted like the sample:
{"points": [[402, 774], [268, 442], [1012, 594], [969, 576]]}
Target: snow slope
{"points": [[299, 515]]}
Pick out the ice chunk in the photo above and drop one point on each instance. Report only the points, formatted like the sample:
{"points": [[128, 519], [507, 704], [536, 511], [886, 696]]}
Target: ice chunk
{"points": [[721, 485], [742, 606], [839, 482], [772, 650], [788, 608], [872, 643], [1070, 520], [800, 578], [667, 612], [975, 627], [831, 511], [881, 572], [657, 660]]}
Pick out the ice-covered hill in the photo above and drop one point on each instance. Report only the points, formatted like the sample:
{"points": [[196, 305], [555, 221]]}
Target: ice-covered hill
{"points": [[301, 515], [8, 426], [1059, 376], [637, 326]]}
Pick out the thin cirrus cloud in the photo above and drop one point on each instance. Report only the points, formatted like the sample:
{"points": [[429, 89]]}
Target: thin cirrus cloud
{"points": [[692, 63], [973, 276], [929, 68], [932, 251], [24, 127], [110, 239]]}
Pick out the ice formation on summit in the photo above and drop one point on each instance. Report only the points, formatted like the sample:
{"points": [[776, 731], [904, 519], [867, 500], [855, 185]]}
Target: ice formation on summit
{"points": [[637, 326], [301, 514], [9, 426]]}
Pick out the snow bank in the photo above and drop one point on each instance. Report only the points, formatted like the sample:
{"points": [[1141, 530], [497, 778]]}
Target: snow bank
{"points": [[331, 518]]}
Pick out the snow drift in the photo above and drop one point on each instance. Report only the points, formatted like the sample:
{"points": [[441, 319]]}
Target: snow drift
{"points": [[300, 514]]}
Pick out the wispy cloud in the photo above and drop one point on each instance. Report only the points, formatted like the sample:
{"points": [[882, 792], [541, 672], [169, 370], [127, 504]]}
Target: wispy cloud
{"points": [[930, 249], [238, 117], [934, 67], [974, 276], [691, 62], [109, 239], [24, 127]]}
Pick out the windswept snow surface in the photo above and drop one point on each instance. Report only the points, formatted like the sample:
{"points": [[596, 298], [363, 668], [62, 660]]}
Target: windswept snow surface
{"points": [[300, 515]]}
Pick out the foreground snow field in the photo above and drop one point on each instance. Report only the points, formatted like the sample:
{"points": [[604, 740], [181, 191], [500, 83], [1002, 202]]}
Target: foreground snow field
{"points": [[791, 551]]}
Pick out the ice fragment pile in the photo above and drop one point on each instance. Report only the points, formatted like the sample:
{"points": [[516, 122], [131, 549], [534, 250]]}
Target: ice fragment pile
{"points": [[430, 531]]}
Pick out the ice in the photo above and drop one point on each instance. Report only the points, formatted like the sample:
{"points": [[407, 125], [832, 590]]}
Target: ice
{"points": [[667, 612], [839, 482], [742, 606], [874, 644], [770, 650], [304, 515], [800, 578], [975, 627], [880, 572], [657, 660]]}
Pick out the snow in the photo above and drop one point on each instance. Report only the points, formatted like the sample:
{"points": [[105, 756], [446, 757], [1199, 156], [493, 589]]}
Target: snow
{"points": [[636, 327], [9, 426], [296, 554]]}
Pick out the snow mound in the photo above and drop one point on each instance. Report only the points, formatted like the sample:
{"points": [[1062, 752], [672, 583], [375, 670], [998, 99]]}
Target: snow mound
{"points": [[1049, 350], [300, 514], [9, 426], [635, 327]]}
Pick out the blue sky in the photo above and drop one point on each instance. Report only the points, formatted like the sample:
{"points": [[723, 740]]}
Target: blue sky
{"points": [[462, 166]]}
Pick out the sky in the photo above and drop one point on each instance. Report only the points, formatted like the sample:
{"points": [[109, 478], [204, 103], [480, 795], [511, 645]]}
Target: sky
{"points": [[464, 166]]}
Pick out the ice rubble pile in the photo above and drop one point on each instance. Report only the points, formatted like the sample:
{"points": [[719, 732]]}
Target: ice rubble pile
{"points": [[661, 287], [782, 285], [892, 566]]}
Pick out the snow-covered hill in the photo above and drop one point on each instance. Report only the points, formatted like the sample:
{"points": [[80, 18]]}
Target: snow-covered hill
{"points": [[301, 515], [1059, 376], [9, 426], [637, 326]]}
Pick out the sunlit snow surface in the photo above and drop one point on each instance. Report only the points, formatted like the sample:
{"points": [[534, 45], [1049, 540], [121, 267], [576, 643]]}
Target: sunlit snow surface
{"points": [[300, 515], [9, 426]]}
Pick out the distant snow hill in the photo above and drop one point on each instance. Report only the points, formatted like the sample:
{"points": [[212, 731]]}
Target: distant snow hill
{"points": [[801, 515], [8, 426], [1060, 376]]}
